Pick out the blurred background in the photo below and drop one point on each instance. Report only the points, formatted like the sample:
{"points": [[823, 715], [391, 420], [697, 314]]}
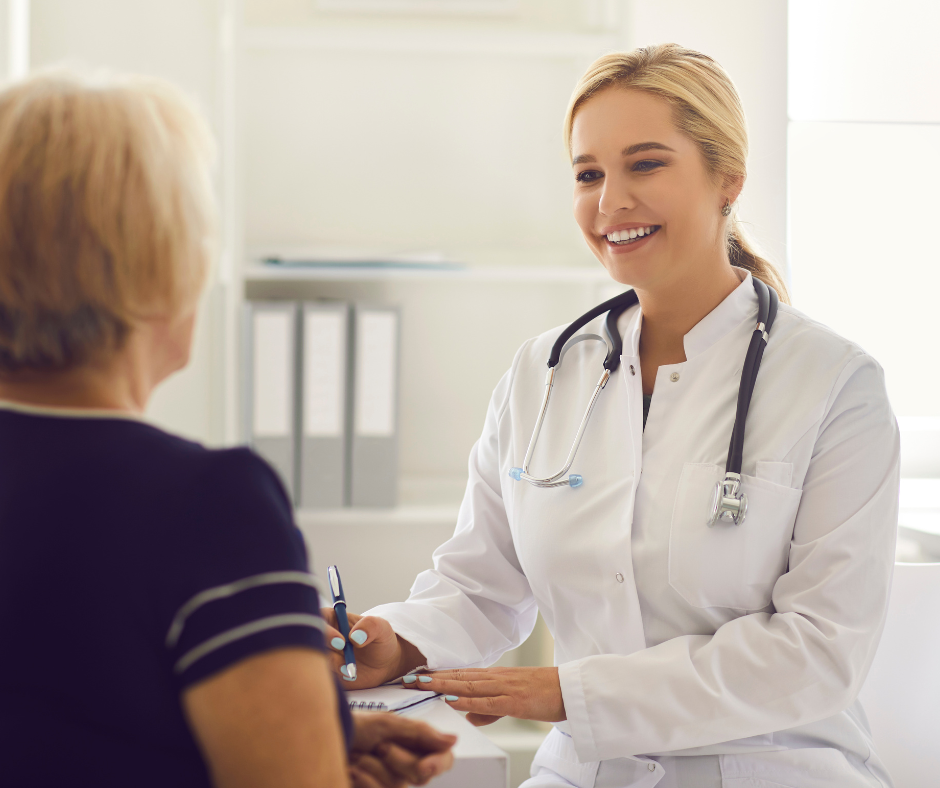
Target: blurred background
{"points": [[433, 127]]}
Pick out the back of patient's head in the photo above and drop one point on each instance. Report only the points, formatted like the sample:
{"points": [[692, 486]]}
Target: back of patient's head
{"points": [[106, 215]]}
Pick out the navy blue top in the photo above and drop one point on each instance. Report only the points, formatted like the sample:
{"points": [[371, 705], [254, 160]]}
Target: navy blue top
{"points": [[132, 565]]}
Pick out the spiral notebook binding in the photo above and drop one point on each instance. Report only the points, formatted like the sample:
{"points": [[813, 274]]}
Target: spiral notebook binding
{"points": [[368, 705]]}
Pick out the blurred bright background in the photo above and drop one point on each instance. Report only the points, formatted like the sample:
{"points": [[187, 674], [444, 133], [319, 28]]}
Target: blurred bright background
{"points": [[434, 126]]}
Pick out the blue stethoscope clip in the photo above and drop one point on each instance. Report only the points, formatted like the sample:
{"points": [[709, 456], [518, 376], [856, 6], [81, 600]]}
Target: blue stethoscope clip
{"points": [[574, 479]]}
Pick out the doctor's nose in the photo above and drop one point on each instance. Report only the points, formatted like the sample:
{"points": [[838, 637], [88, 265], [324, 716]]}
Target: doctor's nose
{"points": [[615, 196]]}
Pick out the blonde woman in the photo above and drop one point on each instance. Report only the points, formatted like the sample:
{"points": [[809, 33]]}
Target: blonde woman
{"points": [[714, 612], [158, 626]]}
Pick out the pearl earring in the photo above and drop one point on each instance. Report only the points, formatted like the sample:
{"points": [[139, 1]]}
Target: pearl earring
{"points": [[726, 211]]}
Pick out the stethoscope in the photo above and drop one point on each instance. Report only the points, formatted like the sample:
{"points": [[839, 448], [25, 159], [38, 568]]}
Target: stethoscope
{"points": [[729, 502]]}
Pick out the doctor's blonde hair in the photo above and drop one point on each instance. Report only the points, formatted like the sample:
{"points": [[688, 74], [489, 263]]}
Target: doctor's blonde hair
{"points": [[107, 214], [706, 108]]}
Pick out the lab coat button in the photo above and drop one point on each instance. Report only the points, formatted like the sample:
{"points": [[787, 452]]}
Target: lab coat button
{"points": [[652, 767], [632, 370], [619, 577], [674, 377]]}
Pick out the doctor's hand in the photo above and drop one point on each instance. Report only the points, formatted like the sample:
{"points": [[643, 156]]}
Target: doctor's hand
{"points": [[389, 751], [487, 694], [381, 655]]}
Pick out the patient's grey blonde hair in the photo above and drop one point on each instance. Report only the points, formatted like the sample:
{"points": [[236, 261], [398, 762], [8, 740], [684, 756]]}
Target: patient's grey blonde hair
{"points": [[706, 108], [107, 214]]}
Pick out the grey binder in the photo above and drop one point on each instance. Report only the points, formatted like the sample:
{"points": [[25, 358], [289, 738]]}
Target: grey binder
{"points": [[269, 404], [324, 365], [373, 462]]}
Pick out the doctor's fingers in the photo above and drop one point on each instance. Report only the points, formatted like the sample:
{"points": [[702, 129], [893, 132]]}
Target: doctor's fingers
{"points": [[370, 629], [480, 687], [488, 706]]}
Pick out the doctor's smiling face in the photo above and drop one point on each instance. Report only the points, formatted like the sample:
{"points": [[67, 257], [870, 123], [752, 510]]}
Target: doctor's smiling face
{"points": [[643, 197]]}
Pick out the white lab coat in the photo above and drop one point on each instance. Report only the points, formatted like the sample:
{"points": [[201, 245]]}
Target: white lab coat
{"points": [[750, 642]]}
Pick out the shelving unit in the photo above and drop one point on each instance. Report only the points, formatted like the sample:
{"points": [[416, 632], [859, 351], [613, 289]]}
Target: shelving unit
{"points": [[527, 269], [527, 275]]}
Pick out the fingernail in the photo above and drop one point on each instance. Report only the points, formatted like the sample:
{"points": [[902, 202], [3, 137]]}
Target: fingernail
{"points": [[408, 679], [451, 698], [338, 643], [424, 679], [346, 678], [359, 636], [342, 669]]}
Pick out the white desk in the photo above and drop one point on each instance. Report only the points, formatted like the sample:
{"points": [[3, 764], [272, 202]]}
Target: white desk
{"points": [[478, 763]]}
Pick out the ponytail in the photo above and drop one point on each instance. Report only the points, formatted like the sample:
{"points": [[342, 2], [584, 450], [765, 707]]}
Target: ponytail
{"points": [[742, 255]]}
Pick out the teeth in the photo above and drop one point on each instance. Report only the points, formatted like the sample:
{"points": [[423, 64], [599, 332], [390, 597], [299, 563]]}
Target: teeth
{"points": [[622, 236]]}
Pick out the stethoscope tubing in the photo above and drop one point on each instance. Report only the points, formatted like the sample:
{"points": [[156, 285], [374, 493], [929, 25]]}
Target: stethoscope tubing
{"points": [[766, 314], [767, 302]]}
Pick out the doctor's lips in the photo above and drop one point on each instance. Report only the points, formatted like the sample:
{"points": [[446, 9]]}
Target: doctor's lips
{"points": [[629, 234]]}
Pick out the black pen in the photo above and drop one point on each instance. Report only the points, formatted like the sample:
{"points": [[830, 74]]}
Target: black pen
{"points": [[339, 607]]}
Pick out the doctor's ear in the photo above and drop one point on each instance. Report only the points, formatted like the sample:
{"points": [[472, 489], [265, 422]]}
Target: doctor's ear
{"points": [[731, 189]]}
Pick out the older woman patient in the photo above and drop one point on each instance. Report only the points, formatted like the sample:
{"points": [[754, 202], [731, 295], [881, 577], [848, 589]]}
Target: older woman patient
{"points": [[158, 625]]}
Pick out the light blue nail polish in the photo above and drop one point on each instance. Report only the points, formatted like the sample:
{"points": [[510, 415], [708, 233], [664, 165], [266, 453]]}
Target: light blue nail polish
{"points": [[346, 678], [424, 679], [409, 679], [451, 698], [359, 636], [337, 643], [342, 669]]}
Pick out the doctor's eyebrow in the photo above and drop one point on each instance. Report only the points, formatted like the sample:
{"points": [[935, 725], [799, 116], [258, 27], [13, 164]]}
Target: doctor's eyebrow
{"points": [[628, 151]]}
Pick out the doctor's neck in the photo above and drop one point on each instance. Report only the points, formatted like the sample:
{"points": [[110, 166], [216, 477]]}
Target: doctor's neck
{"points": [[671, 311]]}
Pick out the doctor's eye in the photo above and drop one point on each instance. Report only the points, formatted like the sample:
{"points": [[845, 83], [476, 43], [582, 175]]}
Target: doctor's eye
{"points": [[588, 176], [647, 165]]}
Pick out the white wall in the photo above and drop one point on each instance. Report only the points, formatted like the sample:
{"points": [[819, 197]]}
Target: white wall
{"points": [[864, 164], [177, 40], [865, 60]]}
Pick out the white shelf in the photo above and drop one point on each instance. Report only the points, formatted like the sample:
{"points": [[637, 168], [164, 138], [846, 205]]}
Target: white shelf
{"points": [[399, 516], [534, 274], [436, 40]]}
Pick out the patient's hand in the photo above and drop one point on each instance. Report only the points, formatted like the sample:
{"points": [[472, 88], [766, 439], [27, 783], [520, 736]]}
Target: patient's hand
{"points": [[381, 655], [391, 751]]}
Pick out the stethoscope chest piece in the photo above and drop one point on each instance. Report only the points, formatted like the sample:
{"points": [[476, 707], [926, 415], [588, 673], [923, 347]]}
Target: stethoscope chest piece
{"points": [[728, 503]]}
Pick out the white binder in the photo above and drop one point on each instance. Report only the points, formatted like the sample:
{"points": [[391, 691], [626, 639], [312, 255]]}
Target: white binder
{"points": [[373, 461], [324, 353], [269, 405]]}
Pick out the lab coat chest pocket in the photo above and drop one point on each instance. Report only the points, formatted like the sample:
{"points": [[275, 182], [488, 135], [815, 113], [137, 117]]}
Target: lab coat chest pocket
{"points": [[727, 565]]}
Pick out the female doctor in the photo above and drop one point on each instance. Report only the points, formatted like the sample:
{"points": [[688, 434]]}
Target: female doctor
{"points": [[689, 650]]}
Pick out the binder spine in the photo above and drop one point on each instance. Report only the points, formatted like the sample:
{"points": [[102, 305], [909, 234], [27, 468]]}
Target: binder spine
{"points": [[323, 340], [373, 454], [269, 402]]}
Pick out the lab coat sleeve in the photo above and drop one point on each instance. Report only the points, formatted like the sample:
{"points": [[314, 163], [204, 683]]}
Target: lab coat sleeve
{"points": [[767, 672], [475, 603]]}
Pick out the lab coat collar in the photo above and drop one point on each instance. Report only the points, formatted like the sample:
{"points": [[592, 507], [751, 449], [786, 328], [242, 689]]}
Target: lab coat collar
{"points": [[740, 305]]}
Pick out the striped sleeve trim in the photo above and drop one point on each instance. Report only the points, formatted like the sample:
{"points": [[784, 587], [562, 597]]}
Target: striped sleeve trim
{"points": [[246, 630], [230, 589]]}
